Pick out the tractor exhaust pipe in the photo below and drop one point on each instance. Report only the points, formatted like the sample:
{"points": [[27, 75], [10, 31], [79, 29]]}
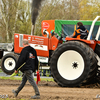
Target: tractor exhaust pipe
{"points": [[32, 29], [36, 4]]}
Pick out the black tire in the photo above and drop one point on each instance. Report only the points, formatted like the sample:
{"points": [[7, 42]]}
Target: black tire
{"points": [[97, 51], [89, 64], [8, 63]]}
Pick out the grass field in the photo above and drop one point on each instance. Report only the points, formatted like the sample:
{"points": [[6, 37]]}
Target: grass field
{"points": [[20, 78]]}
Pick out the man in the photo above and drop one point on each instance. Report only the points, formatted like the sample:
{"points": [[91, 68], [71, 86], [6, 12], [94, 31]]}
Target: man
{"points": [[81, 32], [29, 57]]}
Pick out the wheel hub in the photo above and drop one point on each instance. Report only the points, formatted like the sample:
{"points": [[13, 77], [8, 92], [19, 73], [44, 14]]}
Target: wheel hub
{"points": [[10, 64], [75, 65]]}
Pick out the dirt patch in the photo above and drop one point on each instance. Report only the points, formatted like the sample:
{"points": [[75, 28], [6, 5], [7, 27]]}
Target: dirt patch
{"points": [[50, 91]]}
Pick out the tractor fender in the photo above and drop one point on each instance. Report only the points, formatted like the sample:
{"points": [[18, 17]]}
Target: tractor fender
{"points": [[91, 43]]}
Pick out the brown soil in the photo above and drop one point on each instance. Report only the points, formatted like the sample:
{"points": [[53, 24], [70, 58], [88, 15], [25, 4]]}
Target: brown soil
{"points": [[50, 91]]}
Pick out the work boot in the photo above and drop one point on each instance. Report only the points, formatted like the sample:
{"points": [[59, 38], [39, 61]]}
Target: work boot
{"points": [[35, 97], [15, 93]]}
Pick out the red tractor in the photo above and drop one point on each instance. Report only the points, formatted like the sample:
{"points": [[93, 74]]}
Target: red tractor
{"points": [[72, 63]]}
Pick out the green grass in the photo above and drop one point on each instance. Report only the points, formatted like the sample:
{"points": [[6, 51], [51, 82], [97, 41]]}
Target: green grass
{"points": [[11, 78], [20, 78]]}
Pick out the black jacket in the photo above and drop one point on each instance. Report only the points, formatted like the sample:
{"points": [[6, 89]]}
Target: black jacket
{"points": [[29, 57]]}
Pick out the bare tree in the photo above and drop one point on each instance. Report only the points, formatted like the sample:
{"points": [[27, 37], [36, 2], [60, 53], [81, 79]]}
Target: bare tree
{"points": [[9, 14]]}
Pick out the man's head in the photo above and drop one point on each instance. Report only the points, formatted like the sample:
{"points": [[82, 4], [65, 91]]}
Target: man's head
{"points": [[79, 24], [25, 42]]}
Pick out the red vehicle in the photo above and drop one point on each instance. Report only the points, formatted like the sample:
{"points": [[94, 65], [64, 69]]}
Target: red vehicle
{"points": [[72, 63]]}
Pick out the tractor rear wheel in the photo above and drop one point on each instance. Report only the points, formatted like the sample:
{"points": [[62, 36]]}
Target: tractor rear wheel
{"points": [[73, 63], [8, 63]]}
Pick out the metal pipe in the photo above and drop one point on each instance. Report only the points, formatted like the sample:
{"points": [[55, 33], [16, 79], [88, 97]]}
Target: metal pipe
{"points": [[98, 34], [92, 26], [32, 29], [46, 32]]}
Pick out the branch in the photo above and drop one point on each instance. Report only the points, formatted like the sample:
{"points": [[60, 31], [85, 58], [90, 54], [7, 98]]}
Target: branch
{"points": [[3, 15]]}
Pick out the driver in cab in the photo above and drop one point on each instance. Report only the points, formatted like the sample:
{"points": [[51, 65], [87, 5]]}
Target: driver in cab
{"points": [[81, 32]]}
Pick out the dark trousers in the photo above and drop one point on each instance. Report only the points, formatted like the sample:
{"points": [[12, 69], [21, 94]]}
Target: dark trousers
{"points": [[28, 75]]}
